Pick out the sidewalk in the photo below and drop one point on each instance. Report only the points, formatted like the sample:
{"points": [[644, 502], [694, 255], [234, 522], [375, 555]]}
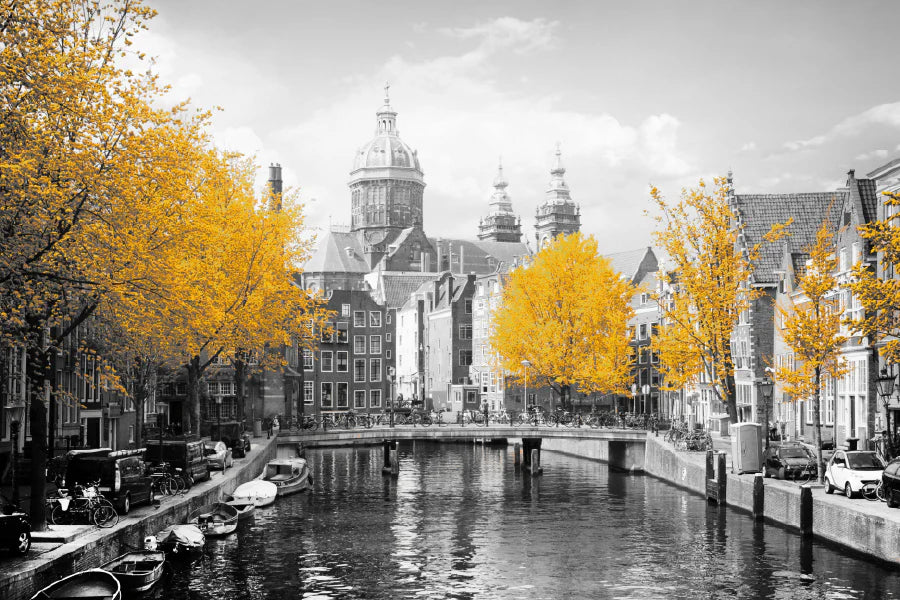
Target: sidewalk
{"points": [[62, 550]]}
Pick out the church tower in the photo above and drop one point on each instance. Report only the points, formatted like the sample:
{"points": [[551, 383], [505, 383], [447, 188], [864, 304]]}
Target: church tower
{"points": [[501, 224], [386, 184], [558, 214]]}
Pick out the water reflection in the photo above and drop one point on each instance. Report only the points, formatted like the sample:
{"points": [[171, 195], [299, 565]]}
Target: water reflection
{"points": [[461, 522]]}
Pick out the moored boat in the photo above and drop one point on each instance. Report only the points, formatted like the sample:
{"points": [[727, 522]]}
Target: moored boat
{"points": [[95, 584], [244, 508], [290, 475], [259, 492], [181, 540], [137, 571], [215, 519]]}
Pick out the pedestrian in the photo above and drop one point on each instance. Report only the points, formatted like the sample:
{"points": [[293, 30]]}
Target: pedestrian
{"points": [[268, 425]]}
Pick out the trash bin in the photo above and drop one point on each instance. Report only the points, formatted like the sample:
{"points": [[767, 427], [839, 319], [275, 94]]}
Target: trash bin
{"points": [[746, 448], [257, 427]]}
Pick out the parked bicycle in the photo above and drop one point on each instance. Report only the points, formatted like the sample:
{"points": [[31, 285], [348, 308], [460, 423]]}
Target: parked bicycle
{"points": [[85, 503]]}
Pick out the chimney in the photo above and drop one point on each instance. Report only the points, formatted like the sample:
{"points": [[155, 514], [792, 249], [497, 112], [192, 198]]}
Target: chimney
{"points": [[424, 260], [440, 264], [462, 261], [275, 183]]}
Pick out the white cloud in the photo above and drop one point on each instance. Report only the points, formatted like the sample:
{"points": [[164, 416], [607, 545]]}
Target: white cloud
{"points": [[748, 147], [870, 155], [885, 115], [508, 33]]}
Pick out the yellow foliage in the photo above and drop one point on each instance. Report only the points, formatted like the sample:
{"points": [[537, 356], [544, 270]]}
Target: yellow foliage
{"points": [[708, 291], [566, 313]]}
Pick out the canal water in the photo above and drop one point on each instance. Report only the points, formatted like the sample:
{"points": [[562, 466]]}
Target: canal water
{"points": [[461, 522]]}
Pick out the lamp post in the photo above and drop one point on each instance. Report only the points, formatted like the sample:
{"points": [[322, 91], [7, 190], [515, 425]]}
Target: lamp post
{"points": [[645, 393], [526, 363], [219, 416], [765, 388], [885, 385], [391, 377], [14, 435]]}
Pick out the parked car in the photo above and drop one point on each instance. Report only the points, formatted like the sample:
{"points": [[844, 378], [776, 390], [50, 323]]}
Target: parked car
{"points": [[851, 471], [15, 530], [240, 446], [789, 461], [219, 456], [185, 454], [122, 475], [890, 480]]}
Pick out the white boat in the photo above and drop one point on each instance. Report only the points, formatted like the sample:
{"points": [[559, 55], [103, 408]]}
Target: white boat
{"points": [[259, 492], [214, 520], [181, 540], [289, 474]]}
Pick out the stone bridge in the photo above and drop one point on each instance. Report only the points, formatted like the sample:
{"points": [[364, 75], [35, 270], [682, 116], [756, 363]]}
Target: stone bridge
{"points": [[622, 448]]}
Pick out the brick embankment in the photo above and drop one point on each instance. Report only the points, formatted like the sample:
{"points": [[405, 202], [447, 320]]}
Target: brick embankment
{"points": [[867, 527], [21, 578]]}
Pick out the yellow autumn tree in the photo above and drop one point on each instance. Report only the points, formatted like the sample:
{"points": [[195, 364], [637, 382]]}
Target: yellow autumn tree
{"points": [[880, 296], [710, 275], [566, 313], [812, 329]]}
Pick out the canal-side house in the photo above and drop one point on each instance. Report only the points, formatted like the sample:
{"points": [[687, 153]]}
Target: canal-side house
{"points": [[639, 267], [448, 339], [887, 180], [349, 370]]}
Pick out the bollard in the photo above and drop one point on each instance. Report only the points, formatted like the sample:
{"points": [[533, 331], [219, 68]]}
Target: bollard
{"points": [[517, 459], [721, 478], [395, 460], [759, 497], [536, 462], [806, 511], [387, 446]]}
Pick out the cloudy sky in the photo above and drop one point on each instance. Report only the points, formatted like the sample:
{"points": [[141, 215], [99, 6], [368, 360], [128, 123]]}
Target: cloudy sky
{"points": [[789, 95]]}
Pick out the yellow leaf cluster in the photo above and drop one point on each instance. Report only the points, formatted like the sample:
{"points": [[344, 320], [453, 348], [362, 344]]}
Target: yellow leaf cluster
{"points": [[708, 278], [567, 314]]}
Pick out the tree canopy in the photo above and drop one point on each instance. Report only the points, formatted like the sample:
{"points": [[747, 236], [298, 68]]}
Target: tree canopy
{"points": [[566, 313]]}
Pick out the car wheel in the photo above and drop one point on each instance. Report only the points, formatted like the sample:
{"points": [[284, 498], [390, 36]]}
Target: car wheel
{"points": [[847, 490], [782, 474], [891, 502], [126, 504], [23, 543], [829, 489]]}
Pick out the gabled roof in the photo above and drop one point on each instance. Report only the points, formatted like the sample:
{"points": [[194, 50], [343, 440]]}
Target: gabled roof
{"points": [[479, 256], [337, 252], [863, 191], [634, 264], [393, 288], [759, 212]]}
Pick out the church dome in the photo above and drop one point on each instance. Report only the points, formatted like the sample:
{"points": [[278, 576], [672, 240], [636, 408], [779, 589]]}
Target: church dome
{"points": [[386, 156]]}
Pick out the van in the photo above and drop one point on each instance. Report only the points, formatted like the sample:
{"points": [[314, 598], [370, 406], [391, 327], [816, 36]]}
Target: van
{"points": [[187, 455], [122, 475]]}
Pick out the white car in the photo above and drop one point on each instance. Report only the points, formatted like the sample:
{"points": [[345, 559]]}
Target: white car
{"points": [[851, 471], [219, 456]]}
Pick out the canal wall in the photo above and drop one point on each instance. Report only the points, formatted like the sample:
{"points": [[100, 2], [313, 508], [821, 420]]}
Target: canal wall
{"points": [[102, 545], [867, 527]]}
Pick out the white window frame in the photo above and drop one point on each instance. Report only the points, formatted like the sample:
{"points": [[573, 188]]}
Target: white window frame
{"points": [[337, 362], [374, 398], [372, 363], [359, 318], [345, 310], [375, 345], [327, 396], [339, 385], [329, 363], [309, 393], [374, 318], [359, 398], [365, 374]]}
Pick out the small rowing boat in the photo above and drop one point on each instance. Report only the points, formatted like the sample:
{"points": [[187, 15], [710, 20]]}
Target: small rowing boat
{"points": [[260, 493], [290, 475], [245, 508], [137, 571], [215, 520], [181, 540], [95, 584]]}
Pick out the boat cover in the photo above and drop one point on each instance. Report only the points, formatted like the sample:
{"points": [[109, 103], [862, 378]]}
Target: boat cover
{"points": [[188, 535], [255, 489]]}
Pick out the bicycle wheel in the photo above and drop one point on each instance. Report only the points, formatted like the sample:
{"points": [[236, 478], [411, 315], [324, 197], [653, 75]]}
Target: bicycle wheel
{"points": [[58, 516], [869, 492], [426, 421], [880, 493], [105, 515], [178, 484]]}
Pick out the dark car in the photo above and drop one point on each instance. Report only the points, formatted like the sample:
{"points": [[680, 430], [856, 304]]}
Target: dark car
{"points": [[15, 530], [122, 475], [790, 461], [187, 455], [890, 481], [240, 446]]}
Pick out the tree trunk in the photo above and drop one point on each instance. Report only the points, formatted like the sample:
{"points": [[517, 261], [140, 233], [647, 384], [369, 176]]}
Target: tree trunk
{"points": [[240, 374], [192, 413], [37, 371], [731, 399], [817, 423], [565, 398]]}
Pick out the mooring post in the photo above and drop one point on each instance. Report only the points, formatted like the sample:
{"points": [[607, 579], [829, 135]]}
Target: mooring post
{"points": [[395, 460], [721, 478], [759, 497], [390, 450], [517, 459], [536, 462], [806, 511]]}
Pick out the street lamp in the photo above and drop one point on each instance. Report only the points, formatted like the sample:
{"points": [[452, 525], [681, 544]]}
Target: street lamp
{"points": [[219, 416], [885, 385], [392, 399], [14, 436], [645, 392], [765, 388]]}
